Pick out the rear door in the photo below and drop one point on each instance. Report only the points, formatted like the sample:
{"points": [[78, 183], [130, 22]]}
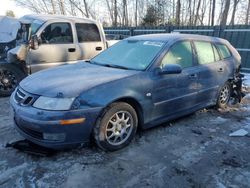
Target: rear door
{"points": [[176, 92], [57, 47], [211, 72], [90, 42]]}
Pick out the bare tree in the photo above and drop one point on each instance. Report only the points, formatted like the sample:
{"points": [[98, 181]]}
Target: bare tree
{"points": [[234, 11], [86, 8], [10, 13], [125, 13], [132, 12], [203, 12], [115, 13], [178, 12], [53, 6], [248, 13], [136, 11], [225, 13], [197, 12]]}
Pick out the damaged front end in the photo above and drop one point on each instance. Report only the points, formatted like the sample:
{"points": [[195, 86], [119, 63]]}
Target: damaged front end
{"points": [[8, 34], [236, 86]]}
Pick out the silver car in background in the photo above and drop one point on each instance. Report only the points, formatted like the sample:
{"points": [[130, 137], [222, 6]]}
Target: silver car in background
{"points": [[45, 41]]}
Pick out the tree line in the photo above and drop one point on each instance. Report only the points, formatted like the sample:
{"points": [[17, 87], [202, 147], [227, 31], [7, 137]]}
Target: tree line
{"points": [[148, 12]]}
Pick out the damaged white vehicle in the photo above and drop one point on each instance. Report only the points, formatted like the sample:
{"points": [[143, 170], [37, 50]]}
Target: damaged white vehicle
{"points": [[44, 41], [8, 34]]}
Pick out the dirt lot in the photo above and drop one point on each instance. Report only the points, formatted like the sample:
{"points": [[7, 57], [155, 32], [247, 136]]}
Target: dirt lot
{"points": [[195, 151]]}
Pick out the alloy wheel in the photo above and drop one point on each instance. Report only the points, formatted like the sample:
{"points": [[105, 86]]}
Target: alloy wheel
{"points": [[224, 94], [119, 128]]}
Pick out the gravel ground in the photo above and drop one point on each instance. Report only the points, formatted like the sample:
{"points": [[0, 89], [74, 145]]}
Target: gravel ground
{"points": [[194, 151]]}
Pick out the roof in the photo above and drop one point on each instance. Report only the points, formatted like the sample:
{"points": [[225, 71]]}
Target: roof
{"points": [[176, 36], [47, 17]]}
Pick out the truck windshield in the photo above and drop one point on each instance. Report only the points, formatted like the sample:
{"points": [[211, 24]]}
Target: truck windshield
{"points": [[129, 54], [35, 25]]}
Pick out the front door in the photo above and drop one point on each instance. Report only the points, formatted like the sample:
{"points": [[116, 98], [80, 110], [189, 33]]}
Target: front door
{"points": [[56, 48], [175, 93]]}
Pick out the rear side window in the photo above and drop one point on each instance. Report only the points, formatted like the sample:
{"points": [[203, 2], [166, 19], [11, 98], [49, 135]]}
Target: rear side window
{"points": [[205, 52], [225, 53], [57, 33], [87, 32], [180, 53]]}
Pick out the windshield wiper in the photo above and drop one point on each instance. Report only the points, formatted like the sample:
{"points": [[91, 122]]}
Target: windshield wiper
{"points": [[115, 66], [107, 65]]}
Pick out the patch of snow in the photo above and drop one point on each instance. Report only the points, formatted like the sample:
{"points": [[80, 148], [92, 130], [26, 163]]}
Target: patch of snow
{"points": [[5, 176], [246, 80], [219, 120], [247, 124], [220, 185], [240, 132]]}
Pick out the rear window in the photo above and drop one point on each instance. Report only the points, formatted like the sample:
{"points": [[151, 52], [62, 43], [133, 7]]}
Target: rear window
{"points": [[205, 52], [87, 32], [225, 53]]}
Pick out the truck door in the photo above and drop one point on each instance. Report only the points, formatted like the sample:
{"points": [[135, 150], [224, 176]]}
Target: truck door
{"points": [[56, 48], [90, 42]]}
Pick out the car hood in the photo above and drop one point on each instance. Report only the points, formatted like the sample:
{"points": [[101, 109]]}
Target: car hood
{"points": [[71, 80]]}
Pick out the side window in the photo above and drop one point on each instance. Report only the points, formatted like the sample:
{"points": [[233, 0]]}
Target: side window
{"points": [[216, 54], [87, 32], [205, 52], [57, 33], [180, 53], [225, 53]]}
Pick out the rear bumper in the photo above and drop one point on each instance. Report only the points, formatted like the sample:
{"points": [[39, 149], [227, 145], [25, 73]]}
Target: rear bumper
{"points": [[43, 127]]}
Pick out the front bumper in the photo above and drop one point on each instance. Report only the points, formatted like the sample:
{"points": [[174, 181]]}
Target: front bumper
{"points": [[43, 127]]}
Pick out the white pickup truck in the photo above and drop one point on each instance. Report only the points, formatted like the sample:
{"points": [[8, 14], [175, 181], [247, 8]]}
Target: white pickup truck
{"points": [[45, 41]]}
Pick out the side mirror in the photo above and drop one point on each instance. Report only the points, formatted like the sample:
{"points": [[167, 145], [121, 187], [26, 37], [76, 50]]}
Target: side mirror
{"points": [[171, 69], [34, 42]]}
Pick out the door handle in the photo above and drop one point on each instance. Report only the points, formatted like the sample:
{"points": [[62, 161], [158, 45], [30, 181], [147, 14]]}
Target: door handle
{"points": [[220, 70], [98, 48], [71, 50], [192, 76]]}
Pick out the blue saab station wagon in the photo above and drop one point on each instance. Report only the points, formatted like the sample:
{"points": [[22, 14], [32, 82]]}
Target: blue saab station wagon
{"points": [[141, 81]]}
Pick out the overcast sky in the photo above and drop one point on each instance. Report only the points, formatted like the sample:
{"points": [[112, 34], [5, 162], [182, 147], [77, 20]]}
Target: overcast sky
{"points": [[10, 5]]}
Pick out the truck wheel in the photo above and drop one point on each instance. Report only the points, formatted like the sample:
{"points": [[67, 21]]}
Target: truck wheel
{"points": [[116, 127], [224, 95], [10, 76]]}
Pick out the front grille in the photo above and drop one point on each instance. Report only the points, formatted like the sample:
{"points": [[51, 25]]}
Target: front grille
{"points": [[31, 132], [23, 98]]}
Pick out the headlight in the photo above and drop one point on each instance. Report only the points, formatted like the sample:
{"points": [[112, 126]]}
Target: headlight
{"points": [[48, 103]]}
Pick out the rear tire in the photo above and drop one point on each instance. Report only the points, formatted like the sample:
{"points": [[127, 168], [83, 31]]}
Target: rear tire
{"points": [[224, 95], [116, 127], [10, 76]]}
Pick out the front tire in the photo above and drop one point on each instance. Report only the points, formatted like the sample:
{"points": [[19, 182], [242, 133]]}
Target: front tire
{"points": [[224, 95], [116, 127], [10, 76]]}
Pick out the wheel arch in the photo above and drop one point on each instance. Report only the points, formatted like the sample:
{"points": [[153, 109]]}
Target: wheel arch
{"points": [[136, 105]]}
